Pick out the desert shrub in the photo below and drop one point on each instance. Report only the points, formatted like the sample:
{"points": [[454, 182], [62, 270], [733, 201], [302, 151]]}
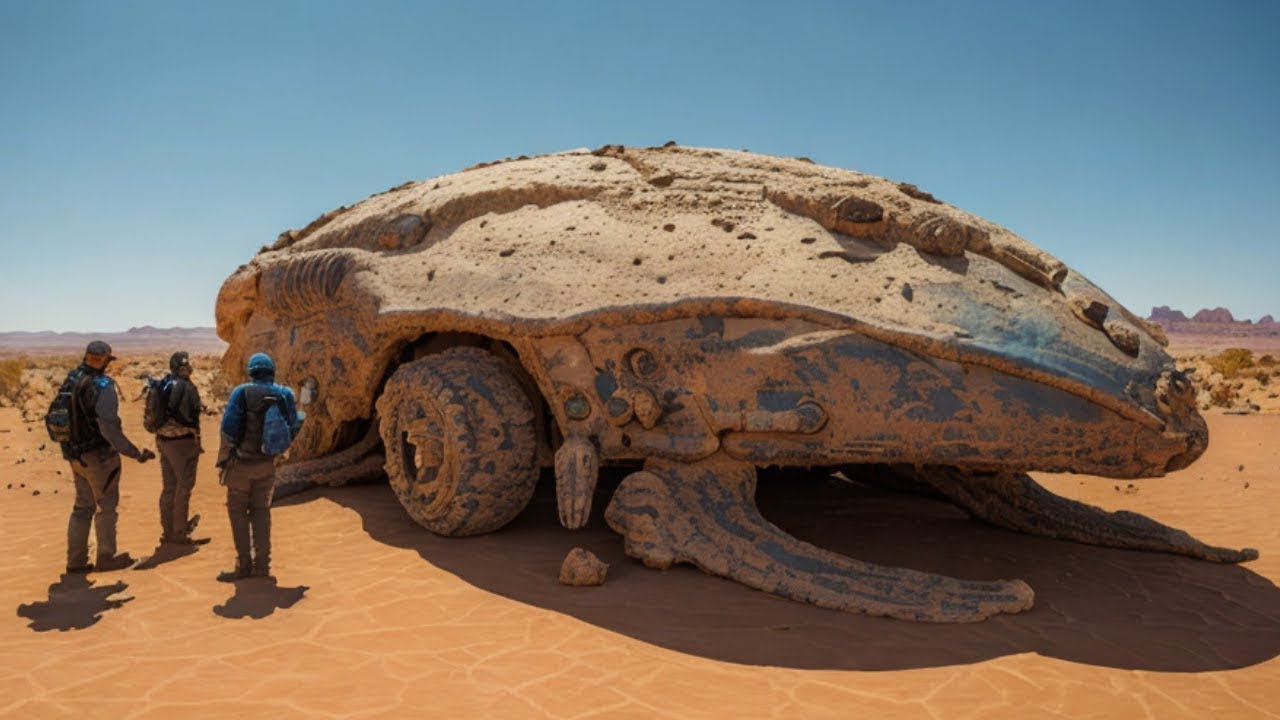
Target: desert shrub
{"points": [[1222, 395], [11, 377], [1262, 377], [1267, 360], [1231, 362]]}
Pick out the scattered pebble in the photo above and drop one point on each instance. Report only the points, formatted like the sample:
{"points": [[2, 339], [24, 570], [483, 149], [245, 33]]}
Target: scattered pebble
{"points": [[35, 492], [582, 568]]}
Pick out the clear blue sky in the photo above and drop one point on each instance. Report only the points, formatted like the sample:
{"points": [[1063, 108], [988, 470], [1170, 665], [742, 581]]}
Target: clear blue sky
{"points": [[148, 148]]}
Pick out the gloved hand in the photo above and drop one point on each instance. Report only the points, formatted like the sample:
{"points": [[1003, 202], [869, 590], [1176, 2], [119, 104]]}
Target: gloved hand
{"points": [[146, 455], [224, 454]]}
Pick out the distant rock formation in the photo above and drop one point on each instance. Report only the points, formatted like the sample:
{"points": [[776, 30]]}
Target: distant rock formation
{"points": [[1216, 315], [1217, 323], [1164, 314]]}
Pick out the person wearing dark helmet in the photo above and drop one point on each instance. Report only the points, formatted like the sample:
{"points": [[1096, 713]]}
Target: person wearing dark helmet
{"points": [[178, 441], [247, 470], [97, 442]]}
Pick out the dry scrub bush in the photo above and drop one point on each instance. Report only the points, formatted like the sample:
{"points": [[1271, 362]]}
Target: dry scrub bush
{"points": [[1232, 362], [11, 377], [1222, 395], [1268, 360]]}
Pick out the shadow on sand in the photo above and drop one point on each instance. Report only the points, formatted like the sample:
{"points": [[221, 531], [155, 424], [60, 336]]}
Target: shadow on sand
{"points": [[257, 598], [168, 552], [1099, 606], [74, 603]]}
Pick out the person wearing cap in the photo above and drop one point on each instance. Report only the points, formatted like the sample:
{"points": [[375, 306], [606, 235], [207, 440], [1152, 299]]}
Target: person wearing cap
{"points": [[97, 442], [178, 441], [248, 473]]}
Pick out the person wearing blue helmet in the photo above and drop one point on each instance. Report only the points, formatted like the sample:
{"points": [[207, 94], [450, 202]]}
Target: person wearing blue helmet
{"points": [[248, 463]]}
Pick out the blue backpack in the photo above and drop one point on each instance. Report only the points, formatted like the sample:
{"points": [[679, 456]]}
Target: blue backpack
{"points": [[276, 437]]}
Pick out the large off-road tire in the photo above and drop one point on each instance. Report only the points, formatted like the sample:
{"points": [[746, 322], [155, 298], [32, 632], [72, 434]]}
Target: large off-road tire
{"points": [[460, 441]]}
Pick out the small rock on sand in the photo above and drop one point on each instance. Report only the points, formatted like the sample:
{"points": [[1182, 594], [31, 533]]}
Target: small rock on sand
{"points": [[582, 567]]}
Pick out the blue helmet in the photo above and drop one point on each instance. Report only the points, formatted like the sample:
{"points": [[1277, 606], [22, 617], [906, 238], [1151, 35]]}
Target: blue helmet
{"points": [[261, 366]]}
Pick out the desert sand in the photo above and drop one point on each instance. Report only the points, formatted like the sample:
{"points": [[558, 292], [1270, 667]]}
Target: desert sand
{"points": [[372, 617]]}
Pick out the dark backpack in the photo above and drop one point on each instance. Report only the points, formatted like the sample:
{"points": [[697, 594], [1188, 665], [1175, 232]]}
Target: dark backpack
{"points": [[155, 411], [266, 432], [57, 421]]}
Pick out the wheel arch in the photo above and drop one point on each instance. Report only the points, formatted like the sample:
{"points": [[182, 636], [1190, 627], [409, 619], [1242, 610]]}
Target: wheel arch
{"points": [[435, 342]]}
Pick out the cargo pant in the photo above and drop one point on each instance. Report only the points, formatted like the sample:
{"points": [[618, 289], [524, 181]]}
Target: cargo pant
{"points": [[178, 460], [97, 479], [249, 486]]}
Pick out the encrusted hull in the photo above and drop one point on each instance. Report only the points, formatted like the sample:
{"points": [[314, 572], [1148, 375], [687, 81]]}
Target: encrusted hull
{"points": [[705, 313]]}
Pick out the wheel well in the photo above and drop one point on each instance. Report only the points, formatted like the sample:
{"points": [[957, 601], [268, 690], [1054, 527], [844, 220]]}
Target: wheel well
{"points": [[434, 343]]}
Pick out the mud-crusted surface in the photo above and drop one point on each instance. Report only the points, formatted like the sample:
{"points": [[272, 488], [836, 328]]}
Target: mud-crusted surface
{"points": [[560, 243], [575, 233]]}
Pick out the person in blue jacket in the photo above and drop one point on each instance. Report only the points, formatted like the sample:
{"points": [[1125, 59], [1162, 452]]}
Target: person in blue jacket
{"points": [[247, 471]]}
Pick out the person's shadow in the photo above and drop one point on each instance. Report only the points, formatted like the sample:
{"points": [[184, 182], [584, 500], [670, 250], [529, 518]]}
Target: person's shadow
{"points": [[168, 552], [257, 598], [74, 604]]}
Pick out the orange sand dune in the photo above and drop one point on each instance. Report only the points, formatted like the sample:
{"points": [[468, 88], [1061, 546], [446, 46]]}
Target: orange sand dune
{"points": [[375, 618]]}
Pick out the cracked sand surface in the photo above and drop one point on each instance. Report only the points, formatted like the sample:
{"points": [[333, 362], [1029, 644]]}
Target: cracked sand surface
{"points": [[374, 618]]}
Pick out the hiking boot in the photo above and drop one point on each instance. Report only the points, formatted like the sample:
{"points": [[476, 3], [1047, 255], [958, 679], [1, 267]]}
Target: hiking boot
{"points": [[240, 573], [119, 562], [80, 569], [262, 569]]}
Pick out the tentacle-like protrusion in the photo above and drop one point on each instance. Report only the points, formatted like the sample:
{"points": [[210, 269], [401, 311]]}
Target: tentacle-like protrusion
{"points": [[361, 461], [577, 469], [1015, 501], [705, 514]]}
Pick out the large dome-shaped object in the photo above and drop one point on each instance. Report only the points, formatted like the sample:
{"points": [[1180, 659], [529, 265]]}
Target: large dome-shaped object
{"points": [[707, 312]]}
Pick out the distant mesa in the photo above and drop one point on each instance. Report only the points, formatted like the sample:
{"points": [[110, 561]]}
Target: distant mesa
{"points": [[1217, 321], [1216, 315], [1164, 314]]}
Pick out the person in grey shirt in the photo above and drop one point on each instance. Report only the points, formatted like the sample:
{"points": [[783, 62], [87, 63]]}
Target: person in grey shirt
{"points": [[97, 442]]}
